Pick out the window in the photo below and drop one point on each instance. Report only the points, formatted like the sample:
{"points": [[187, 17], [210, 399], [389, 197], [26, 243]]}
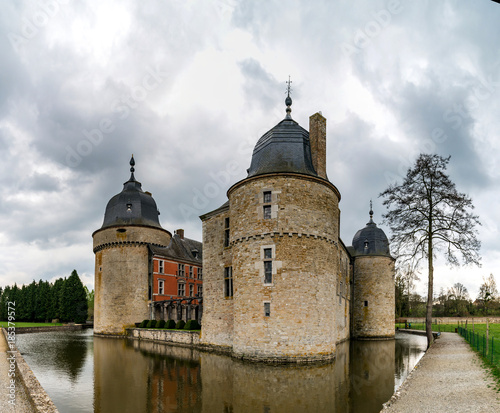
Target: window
{"points": [[180, 270], [341, 291], [267, 309], [267, 211], [200, 291], [228, 282], [267, 208], [267, 197], [181, 289], [160, 267], [200, 273], [226, 232], [268, 266], [161, 287], [190, 271], [366, 303], [191, 290]]}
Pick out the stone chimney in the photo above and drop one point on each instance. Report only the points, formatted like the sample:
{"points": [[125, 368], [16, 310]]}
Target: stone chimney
{"points": [[317, 137], [180, 233]]}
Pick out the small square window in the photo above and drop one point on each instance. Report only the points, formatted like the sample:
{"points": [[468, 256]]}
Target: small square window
{"points": [[267, 197], [268, 253], [267, 309], [267, 211]]}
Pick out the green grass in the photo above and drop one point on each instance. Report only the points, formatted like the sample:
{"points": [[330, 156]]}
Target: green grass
{"points": [[20, 324], [450, 328]]}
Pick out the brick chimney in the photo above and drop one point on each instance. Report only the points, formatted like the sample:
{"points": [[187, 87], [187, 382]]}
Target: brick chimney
{"points": [[180, 233], [317, 137]]}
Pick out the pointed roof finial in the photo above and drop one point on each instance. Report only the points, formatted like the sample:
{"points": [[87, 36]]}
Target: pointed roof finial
{"points": [[371, 211], [132, 169], [288, 100]]}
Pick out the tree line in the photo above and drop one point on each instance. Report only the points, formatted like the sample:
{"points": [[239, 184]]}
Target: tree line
{"points": [[451, 302], [65, 300]]}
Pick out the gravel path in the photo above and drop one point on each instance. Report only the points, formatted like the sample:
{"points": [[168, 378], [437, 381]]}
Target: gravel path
{"points": [[22, 403], [449, 378]]}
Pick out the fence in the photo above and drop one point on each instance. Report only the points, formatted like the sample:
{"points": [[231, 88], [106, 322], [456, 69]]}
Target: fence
{"points": [[489, 348]]}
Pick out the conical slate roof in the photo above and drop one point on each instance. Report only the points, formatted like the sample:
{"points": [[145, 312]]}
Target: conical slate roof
{"points": [[132, 206], [371, 240], [284, 148]]}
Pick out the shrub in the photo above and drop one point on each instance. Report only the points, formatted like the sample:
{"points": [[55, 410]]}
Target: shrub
{"points": [[151, 324], [160, 324], [170, 324], [192, 325], [180, 325], [144, 323]]}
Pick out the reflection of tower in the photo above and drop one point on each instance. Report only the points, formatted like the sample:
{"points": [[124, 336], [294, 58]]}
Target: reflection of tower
{"points": [[373, 280], [371, 374], [122, 258]]}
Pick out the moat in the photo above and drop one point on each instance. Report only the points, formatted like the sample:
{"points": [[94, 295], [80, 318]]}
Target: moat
{"points": [[83, 373]]}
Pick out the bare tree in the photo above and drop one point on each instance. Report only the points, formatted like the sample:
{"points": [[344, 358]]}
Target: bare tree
{"points": [[429, 215], [488, 292]]}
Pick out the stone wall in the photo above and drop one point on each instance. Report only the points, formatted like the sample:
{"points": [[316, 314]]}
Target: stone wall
{"points": [[38, 397], [373, 297], [122, 276], [217, 309], [189, 338], [303, 236]]}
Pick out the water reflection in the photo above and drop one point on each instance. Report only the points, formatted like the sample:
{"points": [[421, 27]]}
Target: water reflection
{"points": [[136, 376]]}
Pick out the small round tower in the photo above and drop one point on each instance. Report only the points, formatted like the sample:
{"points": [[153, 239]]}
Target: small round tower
{"points": [[284, 237], [373, 284], [122, 258]]}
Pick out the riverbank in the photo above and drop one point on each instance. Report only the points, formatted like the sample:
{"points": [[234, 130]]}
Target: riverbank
{"points": [[450, 377], [29, 395]]}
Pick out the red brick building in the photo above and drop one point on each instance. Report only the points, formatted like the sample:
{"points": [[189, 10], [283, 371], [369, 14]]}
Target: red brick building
{"points": [[177, 279]]}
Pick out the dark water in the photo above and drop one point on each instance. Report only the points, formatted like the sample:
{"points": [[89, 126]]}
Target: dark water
{"points": [[82, 373]]}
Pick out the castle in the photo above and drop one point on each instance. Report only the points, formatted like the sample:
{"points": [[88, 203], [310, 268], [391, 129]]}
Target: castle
{"points": [[279, 284]]}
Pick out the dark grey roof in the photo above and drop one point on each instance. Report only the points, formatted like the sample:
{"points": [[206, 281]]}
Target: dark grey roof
{"points": [[181, 249], [132, 206], [285, 148], [370, 240], [224, 207]]}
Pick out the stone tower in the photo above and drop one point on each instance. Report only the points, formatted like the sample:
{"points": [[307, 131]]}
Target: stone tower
{"points": [[373, 284], [281, 252], [122, 258]]}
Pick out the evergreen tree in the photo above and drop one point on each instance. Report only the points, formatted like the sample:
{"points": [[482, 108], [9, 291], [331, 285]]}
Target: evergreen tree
{"points": [[55, 299], [42, 301], [74, 305]]}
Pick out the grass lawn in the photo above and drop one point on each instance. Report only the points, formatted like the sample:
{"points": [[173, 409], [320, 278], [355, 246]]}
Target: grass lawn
{"points": [[19, 324], [478, 328]]}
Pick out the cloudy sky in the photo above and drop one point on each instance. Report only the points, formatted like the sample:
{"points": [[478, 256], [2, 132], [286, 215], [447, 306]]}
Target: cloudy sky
{"points": [[189, 86]]}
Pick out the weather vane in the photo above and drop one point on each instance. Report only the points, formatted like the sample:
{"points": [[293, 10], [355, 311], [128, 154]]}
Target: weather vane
{"points": [[288, 87]]}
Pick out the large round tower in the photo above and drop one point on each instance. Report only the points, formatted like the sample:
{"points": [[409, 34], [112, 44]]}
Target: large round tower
{"points": [[373, 284], [122, 258], [284, 238]]}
